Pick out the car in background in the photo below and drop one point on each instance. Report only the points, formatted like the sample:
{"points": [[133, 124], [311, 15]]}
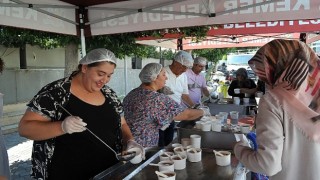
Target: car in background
{"points": [[236, 61], [250, 72]]}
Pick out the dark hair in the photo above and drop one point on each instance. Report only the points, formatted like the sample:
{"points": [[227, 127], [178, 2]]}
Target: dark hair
{"points": [[1, 65], [242, 72]]}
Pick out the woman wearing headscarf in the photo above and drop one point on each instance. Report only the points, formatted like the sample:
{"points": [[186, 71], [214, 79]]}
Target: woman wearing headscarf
{"points": [[243, 83], [288, 121], [147, 110]]}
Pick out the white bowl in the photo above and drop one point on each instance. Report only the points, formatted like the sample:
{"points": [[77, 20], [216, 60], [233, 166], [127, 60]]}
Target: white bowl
{"points": [[179, 163], [180, 151], [167, 165], [138, 158], [223, 160], [171, 174], [164, 157], [194, 154]]}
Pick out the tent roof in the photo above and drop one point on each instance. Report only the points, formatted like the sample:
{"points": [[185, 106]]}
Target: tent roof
{"points": [[119, 16], [87, 3]]}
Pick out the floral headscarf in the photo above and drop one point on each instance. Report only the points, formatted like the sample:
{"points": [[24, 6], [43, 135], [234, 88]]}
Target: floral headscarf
{"points": [[291, 69]]}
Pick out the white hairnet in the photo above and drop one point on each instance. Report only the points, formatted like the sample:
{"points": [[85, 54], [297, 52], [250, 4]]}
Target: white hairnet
{"points": [[98, 55], [184, 58], [150, 72], [200, 60]]}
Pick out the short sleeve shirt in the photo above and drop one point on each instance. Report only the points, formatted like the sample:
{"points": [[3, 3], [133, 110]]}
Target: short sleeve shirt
{"points": [[179, 85], [196, 82], [146, 112]]}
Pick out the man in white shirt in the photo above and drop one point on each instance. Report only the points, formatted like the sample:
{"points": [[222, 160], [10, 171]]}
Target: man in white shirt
{"points": [[178, 83]]}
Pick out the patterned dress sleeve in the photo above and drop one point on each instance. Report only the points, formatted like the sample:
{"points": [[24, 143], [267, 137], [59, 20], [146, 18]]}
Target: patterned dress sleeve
{"points": [[166, 108], [47, 100]]}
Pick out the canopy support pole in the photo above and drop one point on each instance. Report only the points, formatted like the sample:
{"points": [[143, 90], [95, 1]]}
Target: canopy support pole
{"points": [[81, 26]]}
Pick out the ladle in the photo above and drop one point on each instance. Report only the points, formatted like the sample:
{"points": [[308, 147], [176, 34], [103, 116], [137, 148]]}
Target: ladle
{"points": [[161, 174], [126, 157], [153, 164], [217, 152]]}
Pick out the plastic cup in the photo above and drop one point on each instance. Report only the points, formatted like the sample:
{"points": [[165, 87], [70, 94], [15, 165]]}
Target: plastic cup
{"points": [[195, 140], [246, 100], [194, 154], [171, 175], [164, 156], [216, 126], [234, 114], [185, 142], [236, 100], [167, 165], [224, 160], [138, 158], [206, 126], [180, 151], [179, 163], [245, 128]]}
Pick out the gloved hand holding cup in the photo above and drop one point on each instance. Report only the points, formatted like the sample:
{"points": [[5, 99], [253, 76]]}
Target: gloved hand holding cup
{"points": [[206, 111], [140, 152]]}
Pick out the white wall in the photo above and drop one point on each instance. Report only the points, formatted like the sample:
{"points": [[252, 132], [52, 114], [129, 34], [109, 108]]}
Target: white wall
{"points": [[36, 57], [45, 66]]}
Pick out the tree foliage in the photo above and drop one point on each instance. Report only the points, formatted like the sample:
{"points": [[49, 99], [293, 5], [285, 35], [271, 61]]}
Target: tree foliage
{"points": [[212, 55], [121, 44], [15, 37]]}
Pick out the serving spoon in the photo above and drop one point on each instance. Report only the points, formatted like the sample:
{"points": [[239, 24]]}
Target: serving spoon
{"points": [[161, 174], [218, 153], [121, 157]]}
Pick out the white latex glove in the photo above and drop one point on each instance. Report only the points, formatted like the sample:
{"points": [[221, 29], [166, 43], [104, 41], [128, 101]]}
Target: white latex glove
{"points": [[206, 111], [133, 144], [72, 124]]}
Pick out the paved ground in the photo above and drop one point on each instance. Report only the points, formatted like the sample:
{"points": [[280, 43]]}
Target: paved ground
{"points": [[19, 152]]}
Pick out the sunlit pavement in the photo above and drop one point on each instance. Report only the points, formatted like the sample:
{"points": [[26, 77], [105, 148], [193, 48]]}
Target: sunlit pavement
{"points": [[19, 152]]}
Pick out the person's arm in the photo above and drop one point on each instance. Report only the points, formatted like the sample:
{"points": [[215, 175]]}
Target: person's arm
{"points": [[185, 93], [129, 139], [231, 88], [3, 178], [36, 127], [270, 137], [205, 91], [189, 114], [126, 132], [204, 88], [187, 100], [250, 90]]}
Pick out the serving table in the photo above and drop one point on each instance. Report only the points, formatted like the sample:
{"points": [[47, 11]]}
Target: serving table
{"points": [[205, 169], [226, 105]]}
